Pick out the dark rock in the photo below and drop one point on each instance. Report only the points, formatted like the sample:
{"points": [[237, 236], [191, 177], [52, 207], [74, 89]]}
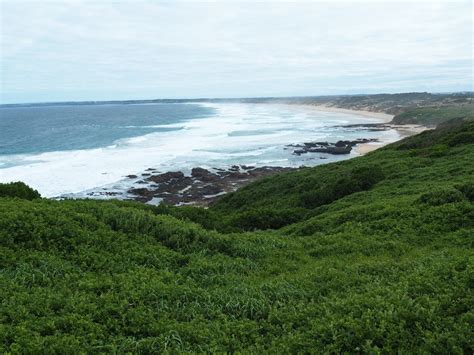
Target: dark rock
{"points": [[247, 167], [203, 174], [366, 125], [166, 176], [300, 151], [237, 175], [132, 176], [340, 144], [340, 147], [210, 190], [346, 149], [202, 187], [139, 191]]}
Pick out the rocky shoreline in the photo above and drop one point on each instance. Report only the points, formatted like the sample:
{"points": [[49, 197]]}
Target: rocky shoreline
{"points": [[340, 147], [200, 188], [203, 186]]}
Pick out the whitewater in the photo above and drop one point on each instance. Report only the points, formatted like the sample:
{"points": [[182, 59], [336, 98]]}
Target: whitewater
{"points": [[229, 133]]}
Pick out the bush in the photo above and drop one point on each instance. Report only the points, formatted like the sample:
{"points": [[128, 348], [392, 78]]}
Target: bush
{"points": [[467, 190], [359, 179], [367, 176], [461, 138], [438, 150], [19, 190], [205, 217], [265, 218], [441, 197]]}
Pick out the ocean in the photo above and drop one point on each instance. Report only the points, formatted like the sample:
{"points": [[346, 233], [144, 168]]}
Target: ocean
{"points": [[71, 150]]}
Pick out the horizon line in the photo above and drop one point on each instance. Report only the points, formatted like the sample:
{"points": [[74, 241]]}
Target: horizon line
{"points": [[130, 101]]}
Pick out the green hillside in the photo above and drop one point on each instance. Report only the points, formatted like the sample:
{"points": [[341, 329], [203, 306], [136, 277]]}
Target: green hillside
{"points": [[373, 254], [432, 116]]}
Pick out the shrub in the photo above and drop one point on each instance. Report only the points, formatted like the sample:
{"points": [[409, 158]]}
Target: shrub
{"points": [[438, 150], [265, 218], [205, 217], [367, 176], [316, 198], [461, 138], [19, 190], [441, 197], [467, 190], [359, 179]]}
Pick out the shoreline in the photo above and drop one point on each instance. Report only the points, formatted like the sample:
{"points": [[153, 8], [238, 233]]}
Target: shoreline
{"points": [[199, 188], [364, 148], [403, 130], [202, 187], [385, 117]]}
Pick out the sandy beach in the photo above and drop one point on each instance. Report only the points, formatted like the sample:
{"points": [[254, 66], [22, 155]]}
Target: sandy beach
{"points": [[409, 129], [403, 130], [381, 117]]}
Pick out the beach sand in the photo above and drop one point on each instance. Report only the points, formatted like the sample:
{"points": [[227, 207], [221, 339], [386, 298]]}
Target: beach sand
{"points": [[403, 130], [381, 117]]}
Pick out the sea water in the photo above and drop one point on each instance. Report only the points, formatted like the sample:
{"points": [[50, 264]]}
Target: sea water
{"points": [[74, 149]]}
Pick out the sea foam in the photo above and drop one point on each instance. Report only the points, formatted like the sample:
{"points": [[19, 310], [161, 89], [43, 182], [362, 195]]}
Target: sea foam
{"points": [[250, 134]]}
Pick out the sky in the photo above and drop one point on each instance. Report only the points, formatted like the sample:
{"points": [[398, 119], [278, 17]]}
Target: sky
{"points": [[115, 50]]}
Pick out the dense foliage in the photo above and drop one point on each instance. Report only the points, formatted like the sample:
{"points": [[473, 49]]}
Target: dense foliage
{"points": [[373, 254], [434, 115], [18, 189]]}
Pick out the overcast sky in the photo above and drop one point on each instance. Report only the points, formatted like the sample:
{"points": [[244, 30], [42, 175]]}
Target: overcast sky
{"points": [[101, 50]]}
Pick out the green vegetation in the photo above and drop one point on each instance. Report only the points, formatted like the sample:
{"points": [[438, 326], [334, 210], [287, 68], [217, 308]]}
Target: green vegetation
{"points": [[19, 190], [390, 103], [432, 116], [373, 254]]}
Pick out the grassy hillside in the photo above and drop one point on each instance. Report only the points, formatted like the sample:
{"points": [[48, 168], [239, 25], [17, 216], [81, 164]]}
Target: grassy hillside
{"points": [[390, 103], [373, 254], [432, 116]]}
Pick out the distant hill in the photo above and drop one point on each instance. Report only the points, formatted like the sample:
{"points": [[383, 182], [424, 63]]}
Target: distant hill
{"points": [[395, 103], [434, 115], [388, 103]]}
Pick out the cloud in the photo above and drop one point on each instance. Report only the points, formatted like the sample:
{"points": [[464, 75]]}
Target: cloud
{"points": [[81, 50]]}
